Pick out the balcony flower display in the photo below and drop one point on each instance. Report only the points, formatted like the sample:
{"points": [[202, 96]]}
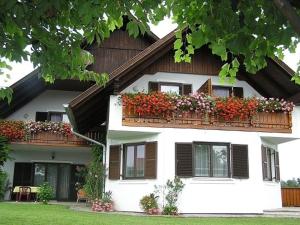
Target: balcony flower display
{"points": [[12, 130], [274, 105], [48, 126], [235, 108], [157, 104], [154, 104], [20, 130], [197, 102]]}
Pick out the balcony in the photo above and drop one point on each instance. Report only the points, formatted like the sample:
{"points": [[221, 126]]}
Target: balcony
{"points": [[42, 133], [204, 112]]}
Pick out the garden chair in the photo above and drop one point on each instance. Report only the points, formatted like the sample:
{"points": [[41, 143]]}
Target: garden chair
{"points": [[24, 191], [81, 195]]}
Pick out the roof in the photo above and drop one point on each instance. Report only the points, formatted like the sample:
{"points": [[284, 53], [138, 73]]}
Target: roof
{"points": [[90, 108], [31, 85]]}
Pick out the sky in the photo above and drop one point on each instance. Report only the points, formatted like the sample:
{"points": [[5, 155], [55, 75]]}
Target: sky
{"points": [[289, 152]]}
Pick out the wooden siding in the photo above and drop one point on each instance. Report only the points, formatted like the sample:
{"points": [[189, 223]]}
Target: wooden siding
{"points": [[203, 63], [290, 197], [261, 122], [52, 139], [115, 51]]}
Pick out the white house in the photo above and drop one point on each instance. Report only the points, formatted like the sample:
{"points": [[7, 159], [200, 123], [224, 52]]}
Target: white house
{"points": [[227, 167], [143, 152]]}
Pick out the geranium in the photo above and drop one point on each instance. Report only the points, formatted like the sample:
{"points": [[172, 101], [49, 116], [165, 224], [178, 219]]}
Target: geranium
{"points": [[12, 130], [197, 102], [274, 105], [235, 108], [154, 104], [48, 126]]}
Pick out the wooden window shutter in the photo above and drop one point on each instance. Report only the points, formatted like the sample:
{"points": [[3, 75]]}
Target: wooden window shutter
{"points": [[240, 162], [114, 162], [264, 162], [277, 170], [153, 87], [151, 160], [187, 89], [238, 92], [184, 159], [206, 88]]}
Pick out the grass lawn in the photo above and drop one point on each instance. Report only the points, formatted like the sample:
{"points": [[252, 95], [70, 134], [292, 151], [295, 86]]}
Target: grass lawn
{"points": [[36, 214]]}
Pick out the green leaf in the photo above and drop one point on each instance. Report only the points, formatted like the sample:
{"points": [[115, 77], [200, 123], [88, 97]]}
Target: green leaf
{"points": [[198, 39], [133, 29], [219, 49], [177, 56], [6, 93], [178, 44]]}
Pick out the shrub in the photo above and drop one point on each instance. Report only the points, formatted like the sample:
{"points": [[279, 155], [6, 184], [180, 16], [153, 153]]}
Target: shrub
{"points": [[45, 193], [149, 204], [173, 188], [105, 204], [3, 179], [93, 186]]}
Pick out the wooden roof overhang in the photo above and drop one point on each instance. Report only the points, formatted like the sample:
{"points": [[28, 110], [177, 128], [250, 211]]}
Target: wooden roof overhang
{"points": [[31, 86], [89, 109]]}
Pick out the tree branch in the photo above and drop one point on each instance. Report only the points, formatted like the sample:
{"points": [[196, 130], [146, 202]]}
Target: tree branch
{"points": [[289, 13]]}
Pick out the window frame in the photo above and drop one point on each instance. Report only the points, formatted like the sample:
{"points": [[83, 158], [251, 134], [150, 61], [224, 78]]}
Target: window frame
{"points": [[230, 89], [179, 85], [211, 144], [271, 167], [124, 164]]}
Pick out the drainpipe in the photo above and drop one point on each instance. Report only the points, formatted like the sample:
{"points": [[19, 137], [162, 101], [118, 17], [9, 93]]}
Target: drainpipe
{"points": [[71, 118]]}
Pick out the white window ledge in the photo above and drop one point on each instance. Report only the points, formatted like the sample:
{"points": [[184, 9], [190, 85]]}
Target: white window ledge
{"points": [[211, 180]]}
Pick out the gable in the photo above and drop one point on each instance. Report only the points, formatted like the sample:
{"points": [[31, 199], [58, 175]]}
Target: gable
{"points": [[90, 108], [116, 50]]}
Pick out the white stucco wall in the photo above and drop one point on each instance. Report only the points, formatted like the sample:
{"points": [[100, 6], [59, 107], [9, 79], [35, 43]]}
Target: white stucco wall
{"points": [[49, 100], [141, 85], [200, 195]]}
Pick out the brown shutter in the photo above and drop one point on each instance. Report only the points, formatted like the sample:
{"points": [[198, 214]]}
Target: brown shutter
{"points": [[184, 159], [264, 162], [153, 87], [238, 92], [150, 160], [206, 88], [240, 162], [187, 89], [114, 162], [277, 170]]}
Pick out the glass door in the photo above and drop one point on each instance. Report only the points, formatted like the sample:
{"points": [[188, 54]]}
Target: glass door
{"points": [[63, 187], [57, 175]]}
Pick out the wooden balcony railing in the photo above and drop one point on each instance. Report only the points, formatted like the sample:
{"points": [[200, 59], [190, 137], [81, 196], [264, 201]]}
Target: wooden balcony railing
{"points": [[48, 138], [52, 139], [43, 133], [277, 122]]}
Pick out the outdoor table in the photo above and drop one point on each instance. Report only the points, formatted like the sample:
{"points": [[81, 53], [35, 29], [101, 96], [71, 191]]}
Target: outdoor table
{"points": [[34, 190]]}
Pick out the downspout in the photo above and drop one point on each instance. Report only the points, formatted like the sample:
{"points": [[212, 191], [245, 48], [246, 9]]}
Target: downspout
{"points": [[72, 122]]}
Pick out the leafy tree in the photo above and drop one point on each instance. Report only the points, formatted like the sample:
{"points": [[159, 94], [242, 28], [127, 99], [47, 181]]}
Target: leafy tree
{"points": [[240, 32], [291, 183], [4, 155]]}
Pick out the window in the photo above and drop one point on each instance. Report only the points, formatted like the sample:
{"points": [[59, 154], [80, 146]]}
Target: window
{"points": [[50, 116], [134, 161], [211, 160], [270, 164], [222, 91], [170, 88]]}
